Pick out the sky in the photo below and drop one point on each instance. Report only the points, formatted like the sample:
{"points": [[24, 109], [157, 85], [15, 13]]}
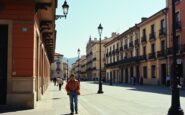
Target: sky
{"points": [[84, 16]]}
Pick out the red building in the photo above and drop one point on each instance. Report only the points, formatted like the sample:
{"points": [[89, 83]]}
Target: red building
{"points": [[27, 44], [180, 35]]}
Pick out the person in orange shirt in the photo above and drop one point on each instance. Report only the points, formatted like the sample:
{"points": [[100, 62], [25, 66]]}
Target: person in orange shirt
{"points": [[73, 90]]}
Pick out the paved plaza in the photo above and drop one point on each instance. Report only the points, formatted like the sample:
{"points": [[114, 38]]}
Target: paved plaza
{"points": [[118, 99]]}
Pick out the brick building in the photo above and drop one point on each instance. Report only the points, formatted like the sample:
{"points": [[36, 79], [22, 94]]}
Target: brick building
{"points": [[27, 44]]}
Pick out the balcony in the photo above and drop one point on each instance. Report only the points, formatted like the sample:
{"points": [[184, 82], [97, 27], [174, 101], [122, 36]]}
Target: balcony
{"points": [[107, 54], [117, 50], [94, 59], [143, 57], [169, 51], [110, 53], [111, 64], [136, 42], [152, 36], [143, 39], [152, 55], [161, 54], [162, 33], [183, 48], [94, 68], [121, 48], [178, 25], [113, 52], [180, 49], [125, 46], [131, 45]]}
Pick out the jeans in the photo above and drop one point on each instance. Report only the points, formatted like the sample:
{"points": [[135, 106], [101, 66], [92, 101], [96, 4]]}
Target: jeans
{"points": [[73, 96]]}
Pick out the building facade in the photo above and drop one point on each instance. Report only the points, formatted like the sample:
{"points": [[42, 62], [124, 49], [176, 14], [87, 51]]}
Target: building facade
{"points": [[83, 74], [153, 43], [112, 56], [57, 67], [140, 53], [26, 48], [93, 59], [65, 70]]}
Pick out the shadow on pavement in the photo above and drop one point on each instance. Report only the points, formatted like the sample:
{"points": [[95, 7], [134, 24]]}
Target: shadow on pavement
{"points": [[66, 114], [12, 108], [149, 88], [56, 98], [152, 89], [88, 94], [144, 88]]}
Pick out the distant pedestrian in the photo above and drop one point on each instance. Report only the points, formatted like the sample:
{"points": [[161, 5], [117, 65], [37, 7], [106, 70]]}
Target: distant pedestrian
{"points": [[134, 80], [60, 82], [168, 80], [54, 81], [141, 80], [73, 90]]}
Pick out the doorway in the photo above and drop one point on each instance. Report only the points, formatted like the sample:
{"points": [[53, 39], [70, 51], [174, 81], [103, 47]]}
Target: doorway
{"points": [[126, 75], [163, 74], [3, 63], [137, 74]]}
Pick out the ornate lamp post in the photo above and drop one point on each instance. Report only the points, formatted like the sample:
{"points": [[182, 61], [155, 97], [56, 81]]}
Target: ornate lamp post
{"points": [[78, 64], [100, 29], [175, 108], [65, 7]]}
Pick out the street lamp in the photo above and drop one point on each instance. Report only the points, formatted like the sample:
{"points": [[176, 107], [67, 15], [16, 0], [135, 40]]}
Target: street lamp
{"points": [[65, 7], [175, 108], [78, 63], [100, 29]]}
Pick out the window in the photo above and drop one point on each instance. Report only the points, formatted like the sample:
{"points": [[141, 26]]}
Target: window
{"points": [[117, 57], [176, 1], [144, 32], [153, 71], [144, 50], [137, 52], [162, 45], [152, 48], [121, 55], [152, 29], [178, 43], [125, 55], [162, 25], [145, 72], [177, 16]]}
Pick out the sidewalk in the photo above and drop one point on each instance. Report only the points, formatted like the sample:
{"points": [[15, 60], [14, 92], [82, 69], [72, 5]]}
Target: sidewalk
{"points": [[54, 102]]}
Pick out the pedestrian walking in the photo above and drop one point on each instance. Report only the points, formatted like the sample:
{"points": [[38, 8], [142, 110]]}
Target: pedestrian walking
{"points": [[60, 82], [73, 90], [54, 81]]}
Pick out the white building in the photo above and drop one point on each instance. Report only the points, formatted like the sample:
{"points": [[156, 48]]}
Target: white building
{"points": [[57, 66]]}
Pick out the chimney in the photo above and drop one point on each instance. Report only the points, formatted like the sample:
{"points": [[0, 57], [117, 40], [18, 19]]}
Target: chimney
{"points": [[143, 19], [114, 34]]}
